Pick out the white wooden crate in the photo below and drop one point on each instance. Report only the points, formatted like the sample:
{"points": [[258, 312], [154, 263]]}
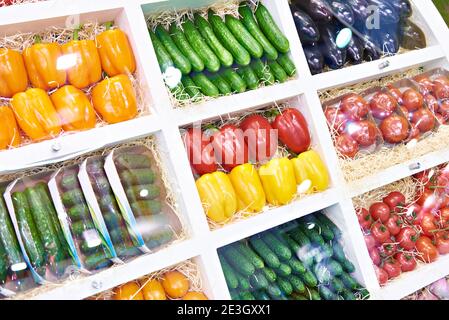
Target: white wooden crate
{"points": [[165, 121]]}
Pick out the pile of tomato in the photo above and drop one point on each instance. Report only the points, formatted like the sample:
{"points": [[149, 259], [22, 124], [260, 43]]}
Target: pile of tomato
{"points": [[436, 95], [398, 234]]}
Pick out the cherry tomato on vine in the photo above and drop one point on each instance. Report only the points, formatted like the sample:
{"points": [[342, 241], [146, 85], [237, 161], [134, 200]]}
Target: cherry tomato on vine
{"points": [[392, 267], [369, 241], [442, 242], [364, 218], [407, 261], [429, 224], [394, 224], [428, 252], [382, 275], [375, 256], [407, 238], [388, 249], [395, 200], [380, 232], [380, 211]]}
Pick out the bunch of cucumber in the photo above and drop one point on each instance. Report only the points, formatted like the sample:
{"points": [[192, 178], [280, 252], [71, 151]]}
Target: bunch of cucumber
{"points": [[219, 57], [81, 223], [115, 223], [143, 191], [301, 260]]}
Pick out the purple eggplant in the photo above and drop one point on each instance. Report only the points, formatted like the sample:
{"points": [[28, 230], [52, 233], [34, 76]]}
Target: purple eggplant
{"points": [[402, 7], [388, 14], [355, 50], [370, 51], [342, 12], [317, 9], [307, 29], [334, 57], [314, 58], [360, 11]]}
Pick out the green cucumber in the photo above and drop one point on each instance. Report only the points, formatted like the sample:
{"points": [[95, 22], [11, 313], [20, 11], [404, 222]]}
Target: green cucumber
{"points": [[285, 286], [250, 255], [72, 198], [81, 226], [284, 270], [160, 237], [246, 295], [69, 181], [243, 282], [126, 161], [309, 279], [281, 250], [143, 192], [191, 88], [334, 267], [299, 297], [336, 285], [205, 85], [258, 280], [322, 273], [261, 295], [234, 295], [363, 294], [251, 25], [163, 57], [236, 82], [292, 244], [28, 230], [327, 294], [265, 252], [200, 46], [279, 73], [287, 64], [297, 284], [137, 177], [86, 250], [249, 76], [146, 207], [263, 72], [8, 238], [274, 291], [227, 39], [349, 281], [78, 212], [325, 220], [312, 234], [230, 277], [96, 261], [323, 229], [101, 185], [269, 274], [208, 34], [347, 295], [4, 266], [348, 266], [222, 85], [244, 36], [184, 46], [313, 294], [297, 266], [238, 261], [270, 29], [179, 60]]}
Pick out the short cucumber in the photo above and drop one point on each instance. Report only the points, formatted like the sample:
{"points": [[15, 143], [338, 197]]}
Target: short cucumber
{"points": [[137, 177], [246, 295], [191, 88], [250, 255], [313, 294], [143, 192], [69, 181], [238, 261], [243, 282], [240, 54], [292, 244], [179, 92], [327, 294], [336, 285], [244, 36], [258, 280], [208, 34], [285, 286], [349, 281], [279, 73], [334, 267], [322, 273], [309, 279], [265, 252], [4, 265], [94, 261], [198, 44], [312, 234], [261, 295], [281, 250], [284, 270], [72, 198], [163, 57], [263, 72], [249, 76], [179, 60], [325, 220], [130, 160], [78, 212], [287, 64], [271, 30], [81, 226], [234, 295], [8, 238], [297, 284], [363, 294], [230, 277], [297, 266], [347, 295], [269, 274], [274, 291], [323, 229], [86, 250], [348, 266], [205, 85], [146, 207], [234, 80], [184, 46], [222, 85], [299, 297], [251, 25]]}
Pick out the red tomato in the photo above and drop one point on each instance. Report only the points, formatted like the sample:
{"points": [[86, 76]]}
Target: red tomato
{"points": [[395, 200], [443, 217], [347, 146], [407, 114], [407, 238], [364, 218], [382, 275], [442, 184], [383, 105], [394, 129], [200, 151], [395, 93], [424, 120], [230, 147], [355, 107], [423, 177], [429, 224], [442, 242], [444, 110], [336, 119], [441, 90], [394, 225], [260, 137], [363, 132], [414, 132], [441, 119], [389, 249], [380, 232], [292, 130], [392, 267], [375, 256], [425, 83], [369, 241], [407, 261], [413, 213], [432, 102], [429, 200], [380, 211], [412, 99], [441, 80], [424, 246]]}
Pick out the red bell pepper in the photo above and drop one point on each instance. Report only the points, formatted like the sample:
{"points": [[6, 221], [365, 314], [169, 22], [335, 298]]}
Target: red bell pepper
{"points": [[200, 151], [293, 131], [261, 138], [230, 147]]}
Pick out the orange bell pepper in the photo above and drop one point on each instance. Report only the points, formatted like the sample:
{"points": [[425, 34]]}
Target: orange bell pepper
{"points": [[87, 69], [114, 99], [74, 109], [9, 131], [13, 75], [117, 56], [46, 69], [36, 114]]}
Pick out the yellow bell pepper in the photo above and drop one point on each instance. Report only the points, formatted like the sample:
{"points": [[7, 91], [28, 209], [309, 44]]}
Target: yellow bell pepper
{"points": [[248, 187], [278, 180], [13, 75], [217, 196], [309, 166], [9, 131]]}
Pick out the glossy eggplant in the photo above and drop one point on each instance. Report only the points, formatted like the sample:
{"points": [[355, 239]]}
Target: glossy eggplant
{"points": [[411, 37], [317, 9], [403, 7], [361, 12], [342, 12], [355, 50], [334, 57], [306, 27], [388, 14], [386, 40], [370, 51], [314, 58]]}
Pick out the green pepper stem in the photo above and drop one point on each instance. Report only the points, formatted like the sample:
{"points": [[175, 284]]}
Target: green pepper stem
{"points": [[37, 39], [109, 25]]}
